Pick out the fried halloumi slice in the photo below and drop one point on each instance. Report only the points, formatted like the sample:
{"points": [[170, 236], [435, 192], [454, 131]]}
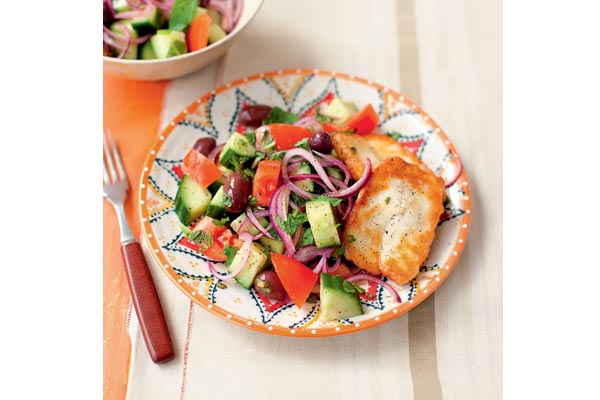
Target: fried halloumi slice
{"points": [[392, 225], [354, 149], [387, 147]]}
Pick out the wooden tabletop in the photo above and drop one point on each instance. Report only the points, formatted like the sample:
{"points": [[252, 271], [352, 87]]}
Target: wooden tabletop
{"points": [[446, 56]]}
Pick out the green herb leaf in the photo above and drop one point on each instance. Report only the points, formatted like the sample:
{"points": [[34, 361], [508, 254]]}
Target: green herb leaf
{"points": [[394, 135], [251, 138], [274, 234], [249, 173], [277, 156], [292, 222], [263, 285], [348, 287], [182, 14], [351, 238], [299, 200], [230, 253], [339, 251], [307, 238], [352, 287], [220, 222], [334, 202], [237, 162], [353, 149], [278, 115], [303, 144], [252, 201], [321, 117], [268, 142], [201, 238], [228, 202], [387, 200]]}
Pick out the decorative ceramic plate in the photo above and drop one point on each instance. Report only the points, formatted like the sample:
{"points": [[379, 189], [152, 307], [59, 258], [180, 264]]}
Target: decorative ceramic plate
{"points": [[215, 115]]}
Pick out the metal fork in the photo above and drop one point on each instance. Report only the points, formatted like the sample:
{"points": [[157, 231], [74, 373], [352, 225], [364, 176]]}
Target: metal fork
{"points": [[143, 292]]}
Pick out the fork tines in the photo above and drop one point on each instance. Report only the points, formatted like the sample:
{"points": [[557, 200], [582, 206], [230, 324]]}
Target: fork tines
{"points": [[115, 171]]}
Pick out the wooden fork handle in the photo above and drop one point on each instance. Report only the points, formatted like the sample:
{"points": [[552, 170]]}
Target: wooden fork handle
{"points": [[147, 304]]}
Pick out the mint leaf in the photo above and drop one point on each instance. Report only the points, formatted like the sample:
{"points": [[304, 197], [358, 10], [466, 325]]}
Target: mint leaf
{"points": [[279, 116], [299, 200], [268, 142], [303, 144], [251, 138], [394, 135], [201, 238], [307, 238], [352, 287], [292, 222], [321, 117], [334, 202], [230, 253], [339, 251], [182, 14], [220, 222], [277, 156]]}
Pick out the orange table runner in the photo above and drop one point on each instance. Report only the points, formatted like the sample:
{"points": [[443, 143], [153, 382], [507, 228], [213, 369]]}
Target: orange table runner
{"points": [[132, 112]]}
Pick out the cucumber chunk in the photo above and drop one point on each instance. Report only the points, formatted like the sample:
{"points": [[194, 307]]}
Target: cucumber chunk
{"points": [[322, 222], [337, 301], [273, 245], [147, 52], [216, 207], [148, 22], [117, 27], [167, 43], [257, 263], [340, 110], [191, 200], [238, 149]]}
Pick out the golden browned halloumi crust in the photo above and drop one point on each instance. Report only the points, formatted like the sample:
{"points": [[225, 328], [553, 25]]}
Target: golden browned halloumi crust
{"points": [[394, 219], [387, 147], [354, 149]]}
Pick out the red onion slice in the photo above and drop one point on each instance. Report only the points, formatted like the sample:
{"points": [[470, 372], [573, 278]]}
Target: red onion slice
{"points": [[309, 122], [214, 153], [257, 224], [238, 6], [278, 207], [308, 156], [226, 13], [338, 163], [357, 186], [378, 281], [321, 265], [245, 252]]}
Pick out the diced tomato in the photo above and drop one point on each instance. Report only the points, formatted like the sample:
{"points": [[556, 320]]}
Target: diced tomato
{"points": [[297, 279], [266, 180], [286, 135], [363, 122], [330, 127], [197, 34], [200, 168], [221, 235]]}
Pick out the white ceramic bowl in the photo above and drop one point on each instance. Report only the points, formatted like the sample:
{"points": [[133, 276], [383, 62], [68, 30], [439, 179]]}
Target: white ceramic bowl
{"points": [[170, 68]]}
